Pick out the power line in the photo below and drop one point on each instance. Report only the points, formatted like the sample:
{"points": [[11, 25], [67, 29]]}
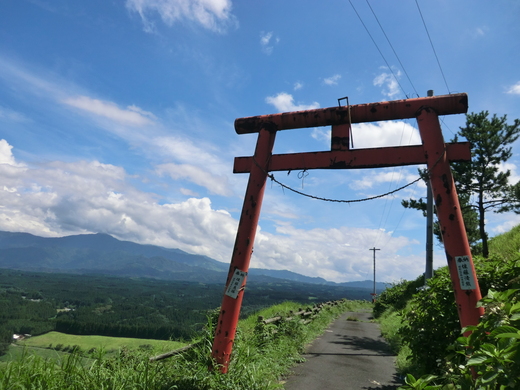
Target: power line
{"points": [[379, 229], [398, 222], [377, 47], [431, 43], [388, 40]]}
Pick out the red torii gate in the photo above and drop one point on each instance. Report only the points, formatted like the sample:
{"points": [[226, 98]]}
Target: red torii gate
{"points": [[433, 152]]}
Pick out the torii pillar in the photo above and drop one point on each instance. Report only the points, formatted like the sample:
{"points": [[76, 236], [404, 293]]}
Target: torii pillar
{"points": [[433, 152]]}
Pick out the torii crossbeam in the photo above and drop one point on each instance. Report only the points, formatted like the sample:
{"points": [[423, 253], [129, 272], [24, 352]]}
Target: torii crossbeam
{"points": [[433, 152]]}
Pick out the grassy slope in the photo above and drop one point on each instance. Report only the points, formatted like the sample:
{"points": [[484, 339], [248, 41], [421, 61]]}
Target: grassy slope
{"points": [[507, 244]]}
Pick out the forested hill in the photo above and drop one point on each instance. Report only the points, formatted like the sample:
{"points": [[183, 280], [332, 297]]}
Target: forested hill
{"points": [[106, 255]]}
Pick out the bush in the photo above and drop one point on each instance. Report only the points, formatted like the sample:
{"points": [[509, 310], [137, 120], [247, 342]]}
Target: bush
{"points": [[489, 358], [430, 321], [495, 343]]}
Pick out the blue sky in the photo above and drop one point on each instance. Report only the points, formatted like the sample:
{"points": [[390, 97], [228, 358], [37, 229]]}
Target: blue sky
{"points": [[117, 117]]}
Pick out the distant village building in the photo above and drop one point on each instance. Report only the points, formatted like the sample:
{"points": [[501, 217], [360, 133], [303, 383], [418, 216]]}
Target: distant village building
{"points": [[18, 337]]}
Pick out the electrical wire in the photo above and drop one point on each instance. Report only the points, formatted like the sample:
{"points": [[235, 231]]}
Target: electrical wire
{"points": [[388, 40], [431, 43], [377, 47], [379, 229]]}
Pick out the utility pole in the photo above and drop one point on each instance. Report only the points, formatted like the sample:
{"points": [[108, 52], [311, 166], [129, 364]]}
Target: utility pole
{"points": [[428, 273], [374, 249]]}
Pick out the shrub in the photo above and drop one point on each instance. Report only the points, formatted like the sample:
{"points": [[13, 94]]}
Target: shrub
{"points": [[431, 314], [489, 358]]}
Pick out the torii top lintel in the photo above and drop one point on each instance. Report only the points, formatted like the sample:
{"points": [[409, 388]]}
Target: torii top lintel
{"points": [[359, 113], [341, 157]]}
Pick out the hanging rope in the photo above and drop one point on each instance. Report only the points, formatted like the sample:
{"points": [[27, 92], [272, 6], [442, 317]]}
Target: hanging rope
{"points": [[271, 176], [304, 174]]}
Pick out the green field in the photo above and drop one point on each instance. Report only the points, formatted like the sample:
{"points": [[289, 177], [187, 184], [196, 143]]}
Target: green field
{"points": [[99, 342], [44, 345]]}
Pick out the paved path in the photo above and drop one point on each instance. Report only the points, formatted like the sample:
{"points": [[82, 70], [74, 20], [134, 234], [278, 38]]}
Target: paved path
{"points": [[350, 355]]}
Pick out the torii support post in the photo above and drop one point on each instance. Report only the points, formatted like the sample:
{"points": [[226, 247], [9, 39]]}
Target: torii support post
{"points": [[456, 245], [236, 281], [434, 152]]}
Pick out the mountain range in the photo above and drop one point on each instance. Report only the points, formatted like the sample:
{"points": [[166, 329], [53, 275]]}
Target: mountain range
{"points": [[103, 254]]}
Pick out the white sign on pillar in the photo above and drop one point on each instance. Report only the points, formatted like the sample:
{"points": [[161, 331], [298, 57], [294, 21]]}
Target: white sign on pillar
{"points": [[467, 280], [236, 282]]}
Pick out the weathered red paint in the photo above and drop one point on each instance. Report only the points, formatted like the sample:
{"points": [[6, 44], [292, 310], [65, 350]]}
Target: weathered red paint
{"points": [[354, 159], [449, 214], [433, 152], [240, 259], [340, 137], [359, 113]]}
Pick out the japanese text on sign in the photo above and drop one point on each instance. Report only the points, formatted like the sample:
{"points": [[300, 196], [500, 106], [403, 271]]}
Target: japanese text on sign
{"points": [[467, 279], [236, 282]]}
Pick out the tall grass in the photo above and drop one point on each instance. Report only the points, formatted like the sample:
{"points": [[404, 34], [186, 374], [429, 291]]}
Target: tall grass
{"points": [[262, 355]]}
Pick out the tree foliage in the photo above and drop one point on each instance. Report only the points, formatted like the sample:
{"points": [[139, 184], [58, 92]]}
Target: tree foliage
{"points": [[482, 183], [37, 303], [484, 177], [469, 216]]}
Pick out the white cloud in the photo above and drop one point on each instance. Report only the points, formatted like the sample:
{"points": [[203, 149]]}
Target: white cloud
{"points": [[284, 102], [388, 133], [514, 89], [346, 256], [388, 82], [479, 32], [375, 134], [333, 80], [200, 159], [11, 115], [186, 151], [133, 116], [216, 184], [266, 42], [512, 168], [214, 15], [187, 192], [507, 226], [322, 134], [58, 198], [378, 177], [6, 155], [298, 85]]}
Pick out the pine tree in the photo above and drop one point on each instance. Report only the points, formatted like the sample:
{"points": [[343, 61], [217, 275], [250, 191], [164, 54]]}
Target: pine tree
{"points": [[469, 215], [484, 177], [482, 183]]}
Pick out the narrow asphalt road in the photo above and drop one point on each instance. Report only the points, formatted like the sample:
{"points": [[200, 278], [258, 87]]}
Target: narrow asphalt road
{"points": [[350, 355]]}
